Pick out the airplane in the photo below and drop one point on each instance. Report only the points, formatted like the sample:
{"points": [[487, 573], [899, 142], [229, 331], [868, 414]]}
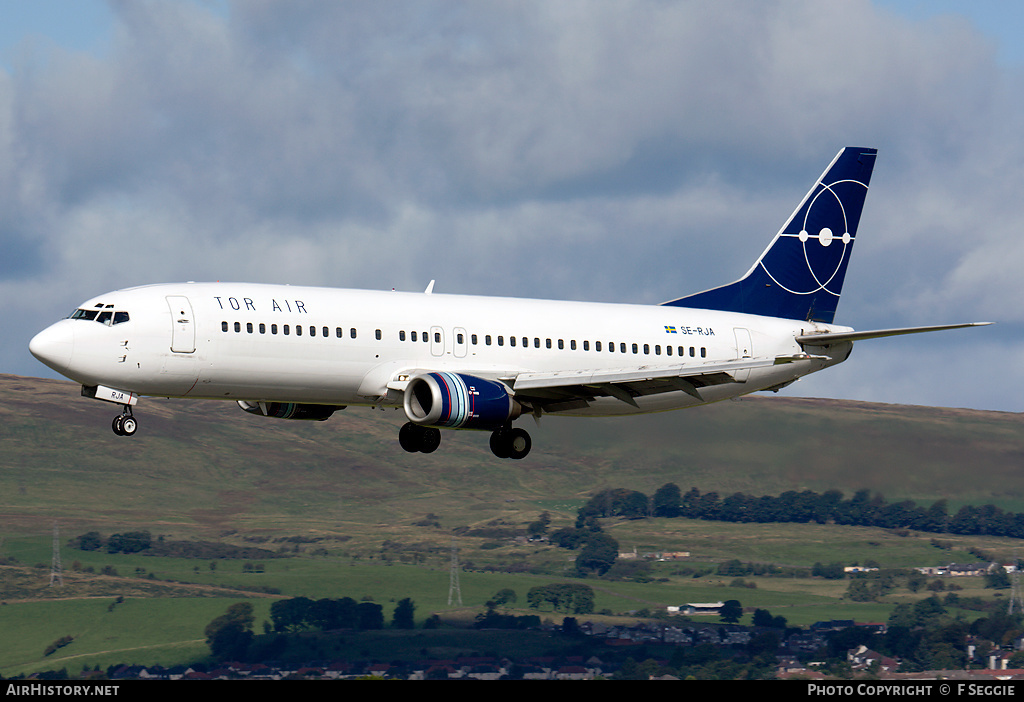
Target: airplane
{"points": [[472, 362]]}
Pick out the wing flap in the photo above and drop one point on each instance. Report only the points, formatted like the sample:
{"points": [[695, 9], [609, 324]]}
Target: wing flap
{"points": [[572, 389]]}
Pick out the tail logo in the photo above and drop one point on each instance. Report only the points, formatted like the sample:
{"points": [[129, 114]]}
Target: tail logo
{"points": [[825, 253]]}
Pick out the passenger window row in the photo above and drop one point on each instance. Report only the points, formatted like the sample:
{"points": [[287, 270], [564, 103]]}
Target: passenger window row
{"points": [[288, 329], [474, 339]]}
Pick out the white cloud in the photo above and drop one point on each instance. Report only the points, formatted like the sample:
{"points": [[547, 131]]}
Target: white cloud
{"points": [[626, 150]]}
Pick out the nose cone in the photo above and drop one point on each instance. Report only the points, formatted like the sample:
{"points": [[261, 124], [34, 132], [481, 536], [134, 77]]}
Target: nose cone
{"points": [[54, 345]]}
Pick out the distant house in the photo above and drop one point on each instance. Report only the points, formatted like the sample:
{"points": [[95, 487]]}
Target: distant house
{"points": [[697, 608], [862, 657]]}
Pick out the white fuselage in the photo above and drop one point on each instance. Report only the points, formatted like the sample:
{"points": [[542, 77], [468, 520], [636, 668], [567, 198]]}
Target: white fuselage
{"points": [[277, 343]]}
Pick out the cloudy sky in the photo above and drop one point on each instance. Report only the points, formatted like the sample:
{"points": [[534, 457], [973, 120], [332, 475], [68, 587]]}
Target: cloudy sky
{"points": [[611, 150]]}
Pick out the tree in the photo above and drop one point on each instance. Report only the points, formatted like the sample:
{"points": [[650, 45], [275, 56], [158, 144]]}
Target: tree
{"points": [[330, 613], [598, 555], [504, 596], [569, 597], [540, 526], [295, 614], [230, 634], [371, 616], [90, 541], [403, 616], [667, 500], [731, 611]]}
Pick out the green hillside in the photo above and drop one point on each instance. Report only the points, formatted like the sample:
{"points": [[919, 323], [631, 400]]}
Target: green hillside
{"points": [[338, 509], [206, 467]]}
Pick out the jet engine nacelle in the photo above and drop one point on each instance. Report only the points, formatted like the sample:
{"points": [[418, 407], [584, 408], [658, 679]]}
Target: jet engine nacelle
{"points": [[290, 410], [459, 401]]}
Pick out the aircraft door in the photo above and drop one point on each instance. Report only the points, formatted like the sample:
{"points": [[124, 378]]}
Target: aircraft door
{"points": [[436, 341], [183, 328], [744, 349]]}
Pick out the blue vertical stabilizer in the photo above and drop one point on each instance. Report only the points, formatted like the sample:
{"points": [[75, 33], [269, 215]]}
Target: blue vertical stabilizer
{"points": [[800, 275]]}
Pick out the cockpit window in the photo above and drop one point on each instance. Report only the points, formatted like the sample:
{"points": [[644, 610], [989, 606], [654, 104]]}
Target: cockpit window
{"points": [[108, 317], [84, 314]]}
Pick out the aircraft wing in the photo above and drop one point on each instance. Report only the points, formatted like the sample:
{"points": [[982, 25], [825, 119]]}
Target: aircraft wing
{"points": [[573, 389]]}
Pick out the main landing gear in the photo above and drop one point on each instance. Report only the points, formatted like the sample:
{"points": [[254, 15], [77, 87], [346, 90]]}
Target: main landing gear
{"points": [[510, 443], [124, 424], [506, 442], [419, 439]]}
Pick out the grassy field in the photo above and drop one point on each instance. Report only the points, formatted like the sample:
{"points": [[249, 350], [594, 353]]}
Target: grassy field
{"points": [[345, 512]]}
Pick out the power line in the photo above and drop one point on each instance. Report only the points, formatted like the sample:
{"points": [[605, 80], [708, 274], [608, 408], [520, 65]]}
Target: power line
{"points": [[56, 570], [454, 589]]}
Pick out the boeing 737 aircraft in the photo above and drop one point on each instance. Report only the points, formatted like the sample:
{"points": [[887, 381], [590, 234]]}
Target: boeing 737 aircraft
{"points": [[463, 362]]}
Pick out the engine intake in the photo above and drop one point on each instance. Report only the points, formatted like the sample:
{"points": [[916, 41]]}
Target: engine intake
{"points": [[459, 401], [290, 410]]}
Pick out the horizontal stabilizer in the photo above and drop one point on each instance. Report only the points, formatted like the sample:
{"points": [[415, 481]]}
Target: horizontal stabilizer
{"points": [[837, 337]]}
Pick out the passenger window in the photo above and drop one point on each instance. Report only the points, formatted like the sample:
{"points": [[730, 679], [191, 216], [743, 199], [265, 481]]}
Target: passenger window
{"points": [[487, 339], [286, 330], [248, 327], [224, 326], [437, 337], [647, 349], [460, 338], [312, 331], [263, 328], [377, 333], [536, 342], [238, 326], [586, 345], [401, 335], [561, 345], [327, 332], [501, 341], [703, 352], [572, 344], [339, 332], [352, 332], [622, 347], [636, 349], [298, 330], [273, 329], [511, 341], [472, 339]]}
